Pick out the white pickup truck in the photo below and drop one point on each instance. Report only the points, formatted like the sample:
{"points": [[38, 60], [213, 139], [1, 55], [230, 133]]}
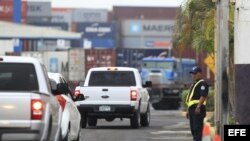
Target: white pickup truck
{"points": [[28, 109], [114, 92]]}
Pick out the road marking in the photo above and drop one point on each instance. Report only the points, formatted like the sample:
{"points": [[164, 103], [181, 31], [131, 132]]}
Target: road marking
{"points": [[185, 132]]}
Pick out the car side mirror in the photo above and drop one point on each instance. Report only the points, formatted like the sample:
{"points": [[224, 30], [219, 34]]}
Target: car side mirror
{"points": [[148, 84], [62, 88], [80, 97]]}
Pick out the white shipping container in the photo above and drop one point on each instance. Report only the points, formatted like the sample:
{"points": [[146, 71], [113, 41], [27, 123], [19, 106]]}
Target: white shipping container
{"points": [[90, 15], [6, 46], [148, 28], [35, 54], [61, 17], [39, 9], [76, 59], [54, 61]]}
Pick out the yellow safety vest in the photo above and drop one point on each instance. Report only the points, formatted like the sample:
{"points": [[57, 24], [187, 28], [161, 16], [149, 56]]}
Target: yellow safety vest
{"points": [[190, 102]]}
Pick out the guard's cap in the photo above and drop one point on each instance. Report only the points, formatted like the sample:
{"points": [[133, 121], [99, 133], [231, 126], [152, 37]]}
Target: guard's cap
{"points": [[195, 70]]}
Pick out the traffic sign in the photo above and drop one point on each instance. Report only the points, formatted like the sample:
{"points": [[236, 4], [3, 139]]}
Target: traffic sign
{"points": [[210, 62]]}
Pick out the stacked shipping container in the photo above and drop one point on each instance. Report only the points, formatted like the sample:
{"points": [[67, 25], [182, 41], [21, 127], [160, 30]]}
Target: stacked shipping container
{"points": [[7, 10], [118, 38], [98, 35]]}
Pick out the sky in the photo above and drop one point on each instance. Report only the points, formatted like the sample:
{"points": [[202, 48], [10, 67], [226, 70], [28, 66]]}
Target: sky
{"points": [[108, 4]]}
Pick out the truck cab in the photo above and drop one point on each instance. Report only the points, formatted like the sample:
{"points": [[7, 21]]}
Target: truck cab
{"points": [[168, 76]]}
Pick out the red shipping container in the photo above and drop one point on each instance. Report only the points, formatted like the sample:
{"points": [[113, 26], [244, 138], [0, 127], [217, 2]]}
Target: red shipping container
{"points": [[126, 12], [6, 9], [99, 58], [12, 54]]}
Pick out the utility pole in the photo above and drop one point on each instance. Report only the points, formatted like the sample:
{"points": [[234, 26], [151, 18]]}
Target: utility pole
{"points": [[222, 64], [17, 16]]}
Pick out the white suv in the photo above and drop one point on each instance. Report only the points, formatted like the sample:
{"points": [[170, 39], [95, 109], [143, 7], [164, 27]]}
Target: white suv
{"points": [[29, 110], [71, 118]]}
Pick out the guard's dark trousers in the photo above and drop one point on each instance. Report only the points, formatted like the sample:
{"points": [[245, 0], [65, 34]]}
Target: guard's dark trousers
{"points": [[196, 122]]}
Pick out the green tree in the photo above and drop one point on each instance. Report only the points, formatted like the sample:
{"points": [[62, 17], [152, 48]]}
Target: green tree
{"points": [[195, 27]]}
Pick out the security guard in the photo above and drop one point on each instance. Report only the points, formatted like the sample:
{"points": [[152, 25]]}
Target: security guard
{"points": [[196, 102]]}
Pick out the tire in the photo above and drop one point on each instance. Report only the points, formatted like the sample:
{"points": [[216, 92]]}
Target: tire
{"points": [[67, 137], [92, 121], [84, 121], [78, 136], [135, 120], [109, 119], [145, 118], [49, 130], [60, 135]]}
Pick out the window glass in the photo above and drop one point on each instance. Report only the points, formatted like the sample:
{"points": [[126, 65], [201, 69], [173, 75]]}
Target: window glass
{"points": [[18, 77], [112, 78], [163, 65]]}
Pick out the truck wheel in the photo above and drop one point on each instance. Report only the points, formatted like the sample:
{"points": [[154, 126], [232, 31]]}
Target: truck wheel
{"points": [[92, 121], [145, 118], [109, 119], [84, 121], [156, 106], [134, 121]]}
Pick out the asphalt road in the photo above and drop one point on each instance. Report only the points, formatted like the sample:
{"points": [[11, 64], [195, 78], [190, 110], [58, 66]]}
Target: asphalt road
{"points": [[167, 125]]}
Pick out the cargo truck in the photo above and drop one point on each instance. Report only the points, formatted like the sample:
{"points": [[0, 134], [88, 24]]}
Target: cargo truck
{"points": [[169, 76]]}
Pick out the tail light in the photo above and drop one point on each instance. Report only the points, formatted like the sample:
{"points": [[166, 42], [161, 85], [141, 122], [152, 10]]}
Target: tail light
{"points": [[77, 92], [133, 95], [37, 107], [61, 101]]}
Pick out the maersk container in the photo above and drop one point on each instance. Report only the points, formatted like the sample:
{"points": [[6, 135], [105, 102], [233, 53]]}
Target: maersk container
{"points": [[99, 58], [148, 27], [146, 42], [131, 57], [97, 29]]}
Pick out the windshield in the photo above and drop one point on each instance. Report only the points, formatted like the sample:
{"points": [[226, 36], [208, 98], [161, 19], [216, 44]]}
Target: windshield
{"points": [[112, 78], [18, 77], [163, 65]]}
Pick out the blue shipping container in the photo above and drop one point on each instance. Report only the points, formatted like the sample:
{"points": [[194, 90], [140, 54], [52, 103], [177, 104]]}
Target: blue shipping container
{"points": [[59, 26], [97, 30], [132, 57], [99, 43]]}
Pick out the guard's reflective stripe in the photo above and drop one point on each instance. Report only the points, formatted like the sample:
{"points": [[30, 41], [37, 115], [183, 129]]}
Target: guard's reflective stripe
{"points": [[190, 102]]}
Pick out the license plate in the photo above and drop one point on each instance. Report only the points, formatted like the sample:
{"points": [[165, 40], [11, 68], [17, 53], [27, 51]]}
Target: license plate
{"points": [[104, 108], [175, 91]]}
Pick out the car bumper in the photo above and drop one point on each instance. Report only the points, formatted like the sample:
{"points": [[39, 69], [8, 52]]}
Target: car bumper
{"points": [[19, 134], [115, 111]]}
